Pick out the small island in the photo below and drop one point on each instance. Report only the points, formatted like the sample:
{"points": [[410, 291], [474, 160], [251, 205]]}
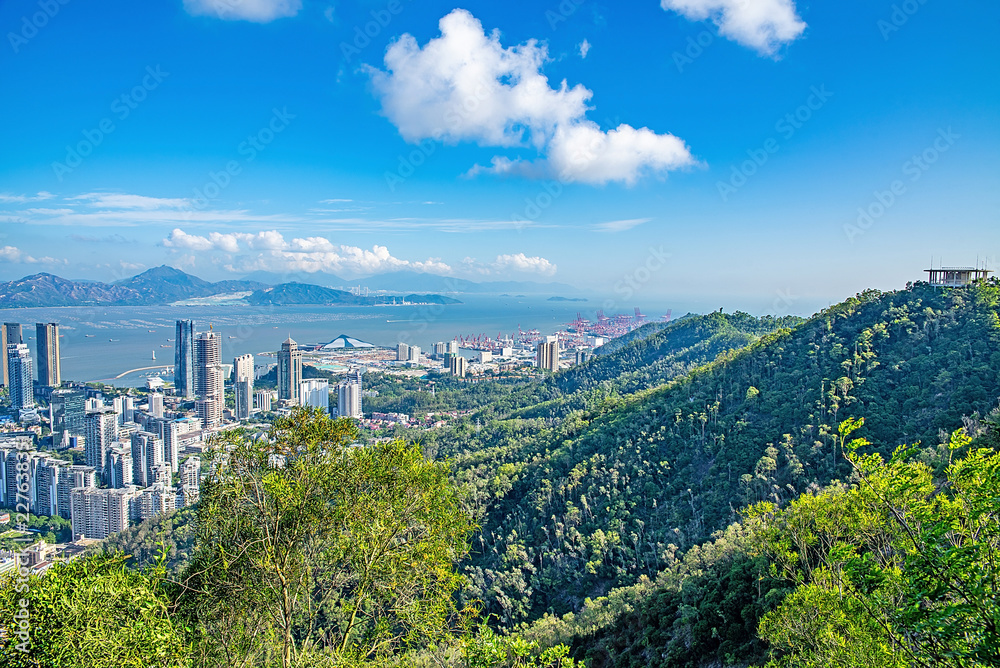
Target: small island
{"points": [[566, 299]]}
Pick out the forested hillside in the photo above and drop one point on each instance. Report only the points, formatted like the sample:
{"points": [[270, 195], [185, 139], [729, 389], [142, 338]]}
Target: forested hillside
{"points": [[570, 509]]}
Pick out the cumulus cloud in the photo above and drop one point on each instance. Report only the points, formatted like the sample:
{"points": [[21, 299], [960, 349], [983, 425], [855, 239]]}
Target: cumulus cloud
{"points": [[522, 263], [308, 255], [257, 11], [764, 25], [466, 86], [584, 48], [15, 255]]}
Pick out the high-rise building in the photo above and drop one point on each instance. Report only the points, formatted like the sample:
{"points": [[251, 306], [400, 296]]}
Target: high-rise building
{"points": [[242, 398], [457, 366], [124, 407], [67, 412], [22, 391], [99, 513], [547, 354], [170, 432], [243, 376], [101, 428], [402, 352], [262, 401], [190, 473], [453, 347], [243, 367], [10, 335], [70, 478], [413, 354], [315, 394], [120, 466], [147, 455], [289, 371], [440, 348], [47, 348], [209, 377], [156, 404], [349, 396], [184, 359]]}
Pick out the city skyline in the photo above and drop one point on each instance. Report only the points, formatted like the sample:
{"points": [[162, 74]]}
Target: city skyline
{"points": [[733, 151]]}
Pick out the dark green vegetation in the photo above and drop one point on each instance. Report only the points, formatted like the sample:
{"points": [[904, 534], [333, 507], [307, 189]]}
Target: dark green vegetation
{"points": [[689, 498], [571, 508], [168, 537], [50, 529]]}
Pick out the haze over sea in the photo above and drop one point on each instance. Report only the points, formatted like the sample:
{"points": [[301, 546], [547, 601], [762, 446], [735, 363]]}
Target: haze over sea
{"points": [[89, 353]]}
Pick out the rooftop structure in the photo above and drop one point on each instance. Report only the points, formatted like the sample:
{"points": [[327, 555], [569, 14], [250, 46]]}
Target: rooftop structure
{"points": [[956, 277]]}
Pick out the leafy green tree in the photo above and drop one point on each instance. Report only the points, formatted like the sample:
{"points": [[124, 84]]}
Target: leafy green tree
{"points": [[94, 612], [308, 547], [898, 570]]}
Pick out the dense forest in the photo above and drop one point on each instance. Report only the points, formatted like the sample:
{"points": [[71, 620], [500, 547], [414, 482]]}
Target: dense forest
{"points": [[720, 491]]}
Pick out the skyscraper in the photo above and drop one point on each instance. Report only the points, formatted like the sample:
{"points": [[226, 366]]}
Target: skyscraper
{"points": [[547, 356], [349, 396], [102, 431], [22, 392], [147, 455], [289, 371], [67, 413], [156, 404], [209, 379], [315, 394], [47, 348], [10, 335], [184, 359], [243, 386]]}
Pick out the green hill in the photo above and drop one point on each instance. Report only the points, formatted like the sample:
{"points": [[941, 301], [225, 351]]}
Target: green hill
{"points": [[571, 509]]}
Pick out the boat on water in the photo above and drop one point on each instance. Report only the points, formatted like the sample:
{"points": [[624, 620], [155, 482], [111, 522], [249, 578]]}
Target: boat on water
{"points": [[113, 340], [89, 336], [163, 345], [154, 355]]}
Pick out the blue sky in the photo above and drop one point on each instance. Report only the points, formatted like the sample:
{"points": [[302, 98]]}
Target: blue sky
{"points": [[712, 151]]}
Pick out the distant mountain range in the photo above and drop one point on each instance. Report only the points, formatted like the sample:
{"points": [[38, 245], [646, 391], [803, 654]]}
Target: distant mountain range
{"points": [[161, 285], [288, 294], [165, 285], [410, 281]]}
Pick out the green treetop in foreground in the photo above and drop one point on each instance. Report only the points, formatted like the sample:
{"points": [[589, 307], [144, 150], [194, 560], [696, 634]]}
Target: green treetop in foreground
{"points": [[308, 552], [898, 570]]}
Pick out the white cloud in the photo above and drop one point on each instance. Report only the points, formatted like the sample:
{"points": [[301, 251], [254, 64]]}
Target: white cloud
{"points": [[7, 198], [584, 48], [258, 11], [465, 86], [15, 255], [308, 255], [764, 25], [522, 263], [125, 201], [620, 225]]}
